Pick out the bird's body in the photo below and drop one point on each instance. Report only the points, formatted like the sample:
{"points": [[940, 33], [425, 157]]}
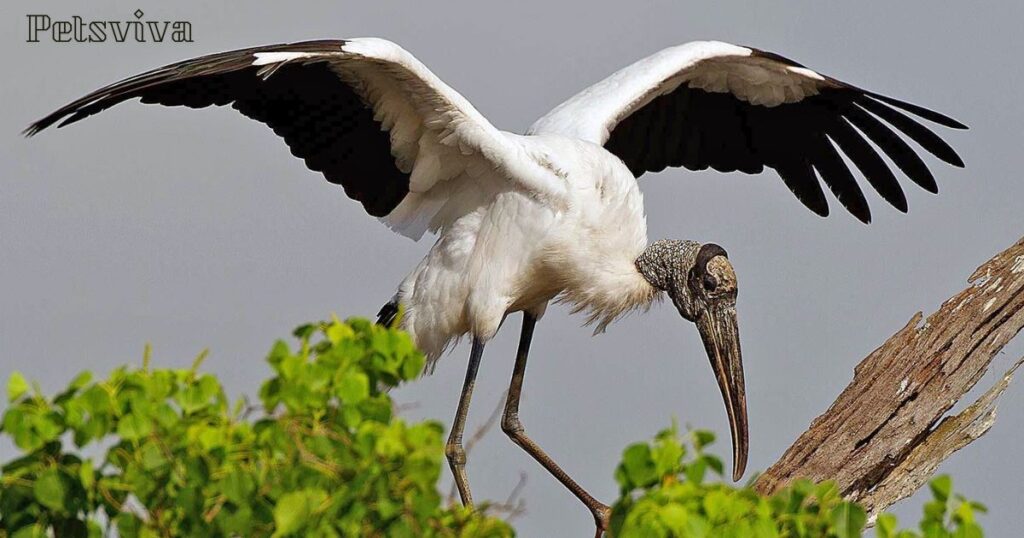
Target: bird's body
{"points": [[556, 213], [519, 249]]}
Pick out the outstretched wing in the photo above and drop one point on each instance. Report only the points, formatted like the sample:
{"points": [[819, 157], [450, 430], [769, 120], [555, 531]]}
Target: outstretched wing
{"points": [[364, 112], [712, 104]]}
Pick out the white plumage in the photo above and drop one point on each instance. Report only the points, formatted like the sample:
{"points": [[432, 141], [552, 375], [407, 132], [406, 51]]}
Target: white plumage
{"points": [[506, 247]]}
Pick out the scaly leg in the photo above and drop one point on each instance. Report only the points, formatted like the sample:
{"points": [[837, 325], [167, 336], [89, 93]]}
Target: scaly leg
{"points": [[511, 425], [453, 450]]}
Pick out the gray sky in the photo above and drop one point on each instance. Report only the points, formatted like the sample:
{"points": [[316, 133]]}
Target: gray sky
{"points": [[194, 229]]}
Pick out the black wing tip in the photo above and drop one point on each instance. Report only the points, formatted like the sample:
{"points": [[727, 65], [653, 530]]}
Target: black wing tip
{"points": [[38, 127], [862, 214], [855, 204], [946, 121], [61, 118], [42, 124], [886, 108], [954, 124], [859, 208], [953, 158], [817, 204], [920, 111]]}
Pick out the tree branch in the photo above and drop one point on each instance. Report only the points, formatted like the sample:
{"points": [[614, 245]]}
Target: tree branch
{"points": [[952, 434], [881, 439]]}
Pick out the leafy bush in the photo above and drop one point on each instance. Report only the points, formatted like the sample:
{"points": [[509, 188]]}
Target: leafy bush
{"points": [[326, 456], [664, 493], [161, 452]]}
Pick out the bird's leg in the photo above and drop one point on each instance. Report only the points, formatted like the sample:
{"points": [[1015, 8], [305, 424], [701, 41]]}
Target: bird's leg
{"points": [[512, 426], [453, 450]]}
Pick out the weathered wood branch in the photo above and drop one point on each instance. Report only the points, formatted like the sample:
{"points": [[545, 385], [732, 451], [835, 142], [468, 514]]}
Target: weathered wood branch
{"points": [[882, 438]]}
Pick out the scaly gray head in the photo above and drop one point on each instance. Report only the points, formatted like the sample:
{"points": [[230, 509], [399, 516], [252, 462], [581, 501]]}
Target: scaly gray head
{"points": [[702, 284]]}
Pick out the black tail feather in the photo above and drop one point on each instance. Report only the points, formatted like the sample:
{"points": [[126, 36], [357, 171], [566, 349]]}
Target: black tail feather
{"points": [[388, 313]]}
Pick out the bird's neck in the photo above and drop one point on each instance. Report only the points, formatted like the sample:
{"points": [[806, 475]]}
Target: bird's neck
{"points": [[606, 289]]}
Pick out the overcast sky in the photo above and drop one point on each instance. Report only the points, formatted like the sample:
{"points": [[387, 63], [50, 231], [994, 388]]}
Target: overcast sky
{"points": [[196, 229]]}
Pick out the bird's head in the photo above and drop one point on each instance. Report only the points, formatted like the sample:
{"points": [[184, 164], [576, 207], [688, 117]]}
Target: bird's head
{"points": [[702, 284]]}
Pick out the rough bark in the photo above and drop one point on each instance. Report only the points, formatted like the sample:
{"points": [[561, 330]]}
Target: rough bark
{"points": [[882, 438]]}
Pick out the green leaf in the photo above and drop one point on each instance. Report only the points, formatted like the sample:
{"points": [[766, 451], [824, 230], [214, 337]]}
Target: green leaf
{"points": [[353, 387], [278, 353], [935, 512], [848, 520], [81, 380], [336, 332], [289, 513], [942, 487], [239, 487], [885, 526], [676, 518], [305, 331], [192, 399], [17, 385], [86, 474], [151, 457], [716, 505], [639, 466], [293, 510], [413, 365], [48, 426], [968, 530], [703, 438], [31, 531], [132, 427], [51, 490], [667, 456]]}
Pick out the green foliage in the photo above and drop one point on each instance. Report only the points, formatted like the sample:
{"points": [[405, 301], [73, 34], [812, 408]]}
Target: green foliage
{"points": [[161, 452], [323, 457], [664, 493], [945, 516]]}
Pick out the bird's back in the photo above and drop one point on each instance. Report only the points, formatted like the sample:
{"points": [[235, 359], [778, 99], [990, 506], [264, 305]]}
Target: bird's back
{"points": [[516, 250]]}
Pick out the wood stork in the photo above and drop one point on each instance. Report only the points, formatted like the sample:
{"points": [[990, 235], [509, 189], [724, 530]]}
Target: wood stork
{"points": [[555, 214]]}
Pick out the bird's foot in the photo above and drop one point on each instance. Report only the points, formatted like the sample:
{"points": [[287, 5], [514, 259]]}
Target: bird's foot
{"points": [[602, 514]]}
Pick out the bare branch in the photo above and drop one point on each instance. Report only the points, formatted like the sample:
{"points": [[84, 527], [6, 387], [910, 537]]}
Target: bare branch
{"points": [[514, 506], [952, 434], [881, 439]]}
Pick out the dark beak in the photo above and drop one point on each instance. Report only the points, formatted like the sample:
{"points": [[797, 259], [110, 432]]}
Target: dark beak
{"points": [[720, 333]]}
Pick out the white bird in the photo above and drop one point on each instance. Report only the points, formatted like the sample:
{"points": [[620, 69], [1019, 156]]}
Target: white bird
{"points": [[555, 214]]}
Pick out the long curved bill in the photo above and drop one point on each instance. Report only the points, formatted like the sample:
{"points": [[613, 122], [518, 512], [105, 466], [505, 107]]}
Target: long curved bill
{"points": [[720, 333]]}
